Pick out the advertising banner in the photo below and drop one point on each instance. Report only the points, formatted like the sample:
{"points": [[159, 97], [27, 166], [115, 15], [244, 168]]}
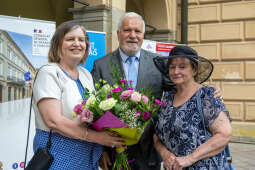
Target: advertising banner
{"points": [[164, 48], [158, 47], [24, 46], [96, 48]]}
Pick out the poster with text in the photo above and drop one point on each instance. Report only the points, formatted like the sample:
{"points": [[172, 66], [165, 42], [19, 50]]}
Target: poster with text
{"points": [[161, 48], [96, 48], [24, 46]]}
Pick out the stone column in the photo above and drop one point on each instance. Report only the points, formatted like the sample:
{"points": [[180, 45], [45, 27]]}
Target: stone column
{"points": [[101, 18]]}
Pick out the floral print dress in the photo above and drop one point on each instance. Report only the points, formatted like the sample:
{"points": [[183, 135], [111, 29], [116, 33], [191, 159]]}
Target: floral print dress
{"points": [[181, 128]]}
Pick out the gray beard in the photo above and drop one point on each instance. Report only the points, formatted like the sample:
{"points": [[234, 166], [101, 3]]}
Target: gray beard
{"points": [[129, 52]]}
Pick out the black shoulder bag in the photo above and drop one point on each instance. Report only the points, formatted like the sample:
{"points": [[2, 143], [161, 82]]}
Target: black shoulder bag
{"points": [[42, 159]]}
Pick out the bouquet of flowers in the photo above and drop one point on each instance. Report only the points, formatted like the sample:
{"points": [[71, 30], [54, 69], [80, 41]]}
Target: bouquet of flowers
{"points": [[119, 109]]}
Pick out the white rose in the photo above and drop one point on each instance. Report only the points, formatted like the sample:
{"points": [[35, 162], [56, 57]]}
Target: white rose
{"points": [[91, 100], [107, 104]]}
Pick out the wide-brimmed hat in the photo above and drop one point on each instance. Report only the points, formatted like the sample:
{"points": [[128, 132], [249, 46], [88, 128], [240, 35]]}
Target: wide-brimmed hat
{"points": [[204, 66]]}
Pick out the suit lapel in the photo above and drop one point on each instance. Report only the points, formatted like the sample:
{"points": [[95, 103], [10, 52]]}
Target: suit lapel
{"points": [[117, 60], [142, 70]]}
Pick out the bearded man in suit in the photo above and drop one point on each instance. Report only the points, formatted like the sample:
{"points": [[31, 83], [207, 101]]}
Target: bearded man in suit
{"points": [[130, 33]]}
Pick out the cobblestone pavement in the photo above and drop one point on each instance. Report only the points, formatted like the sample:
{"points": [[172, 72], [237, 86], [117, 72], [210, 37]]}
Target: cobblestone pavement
{"points": [[243, 156]]}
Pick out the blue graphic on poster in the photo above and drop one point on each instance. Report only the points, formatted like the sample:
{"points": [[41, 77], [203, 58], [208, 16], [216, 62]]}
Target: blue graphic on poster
{"points": [[96, 48]]}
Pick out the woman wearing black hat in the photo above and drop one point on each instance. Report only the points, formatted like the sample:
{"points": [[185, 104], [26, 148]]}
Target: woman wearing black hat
{"points": [[194, 127]]}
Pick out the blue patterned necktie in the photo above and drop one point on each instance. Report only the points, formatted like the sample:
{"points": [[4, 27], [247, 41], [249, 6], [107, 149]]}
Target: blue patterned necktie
{"points": [[132, 72]]}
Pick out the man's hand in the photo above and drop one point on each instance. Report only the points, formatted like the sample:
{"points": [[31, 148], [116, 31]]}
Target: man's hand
{"points": [[105, 161], [218, 93]]}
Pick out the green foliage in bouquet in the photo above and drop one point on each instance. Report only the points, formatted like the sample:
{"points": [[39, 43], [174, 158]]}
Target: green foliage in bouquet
{"points": [[134, 109]]}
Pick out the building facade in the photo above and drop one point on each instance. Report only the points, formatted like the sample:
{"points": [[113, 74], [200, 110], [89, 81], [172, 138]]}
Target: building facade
{"points": [[221, 30], [13, 65]]}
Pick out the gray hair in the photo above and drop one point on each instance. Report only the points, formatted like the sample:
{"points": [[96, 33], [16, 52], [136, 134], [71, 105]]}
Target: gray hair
{"points": [[130, 15]]}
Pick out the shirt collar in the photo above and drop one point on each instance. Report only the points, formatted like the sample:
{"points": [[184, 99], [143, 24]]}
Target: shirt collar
{"points": [[124, 56]]}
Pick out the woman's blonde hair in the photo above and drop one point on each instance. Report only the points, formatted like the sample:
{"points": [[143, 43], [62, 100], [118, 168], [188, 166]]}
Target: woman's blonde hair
{"points": [[57, 40]]}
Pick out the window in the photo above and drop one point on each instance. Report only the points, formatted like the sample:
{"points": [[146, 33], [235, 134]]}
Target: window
{"points": [[19, 62], [1, 93], [9, 71], [1, 67], [9, 53], [23, 65], [14, 58], [19, 75], [1, 45], [14, 74]]}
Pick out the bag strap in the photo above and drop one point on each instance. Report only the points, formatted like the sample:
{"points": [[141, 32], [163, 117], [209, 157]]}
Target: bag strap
{"points": [[29, 123], [200, 107], [199, 104]]}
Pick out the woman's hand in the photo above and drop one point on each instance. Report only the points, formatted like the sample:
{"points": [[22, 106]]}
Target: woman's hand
{"points": [[106, 138], [182, 162], [168, 159], [104, 161], [167, 156]]}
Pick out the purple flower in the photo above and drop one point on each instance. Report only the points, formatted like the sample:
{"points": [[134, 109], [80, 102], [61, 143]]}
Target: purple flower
{"points": [[158, 102], [108, 96], [146, 115], [78, 109], [117, 90], [130, 88], [163, 103], [84, 102], [123, 81], [138, 112]]}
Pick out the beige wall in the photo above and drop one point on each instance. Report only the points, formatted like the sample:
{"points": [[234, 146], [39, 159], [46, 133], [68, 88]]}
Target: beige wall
{"points": [[224, 31], [221, 30]]}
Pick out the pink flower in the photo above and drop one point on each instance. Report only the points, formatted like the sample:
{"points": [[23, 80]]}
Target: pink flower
{"points": [[86, 116], [84, 102], [117, 89], [126, 94], [145, 99], [123, 81], [163, 103], [78, 109], [135, 97], [146, 115], [158, 102], [130, 88]]}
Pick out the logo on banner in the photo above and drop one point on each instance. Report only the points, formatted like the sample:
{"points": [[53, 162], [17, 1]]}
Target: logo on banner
{"points": [[92, 49], [41, 42]]}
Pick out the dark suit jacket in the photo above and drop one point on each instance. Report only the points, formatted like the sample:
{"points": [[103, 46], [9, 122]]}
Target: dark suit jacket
{"points": [[148, 74], [148, 77]]}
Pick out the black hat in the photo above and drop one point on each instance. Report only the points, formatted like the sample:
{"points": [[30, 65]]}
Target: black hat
{"points": [[204, 69]]}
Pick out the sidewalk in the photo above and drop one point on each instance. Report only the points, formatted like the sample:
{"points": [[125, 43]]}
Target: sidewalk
{"points": [[243, 156]]}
